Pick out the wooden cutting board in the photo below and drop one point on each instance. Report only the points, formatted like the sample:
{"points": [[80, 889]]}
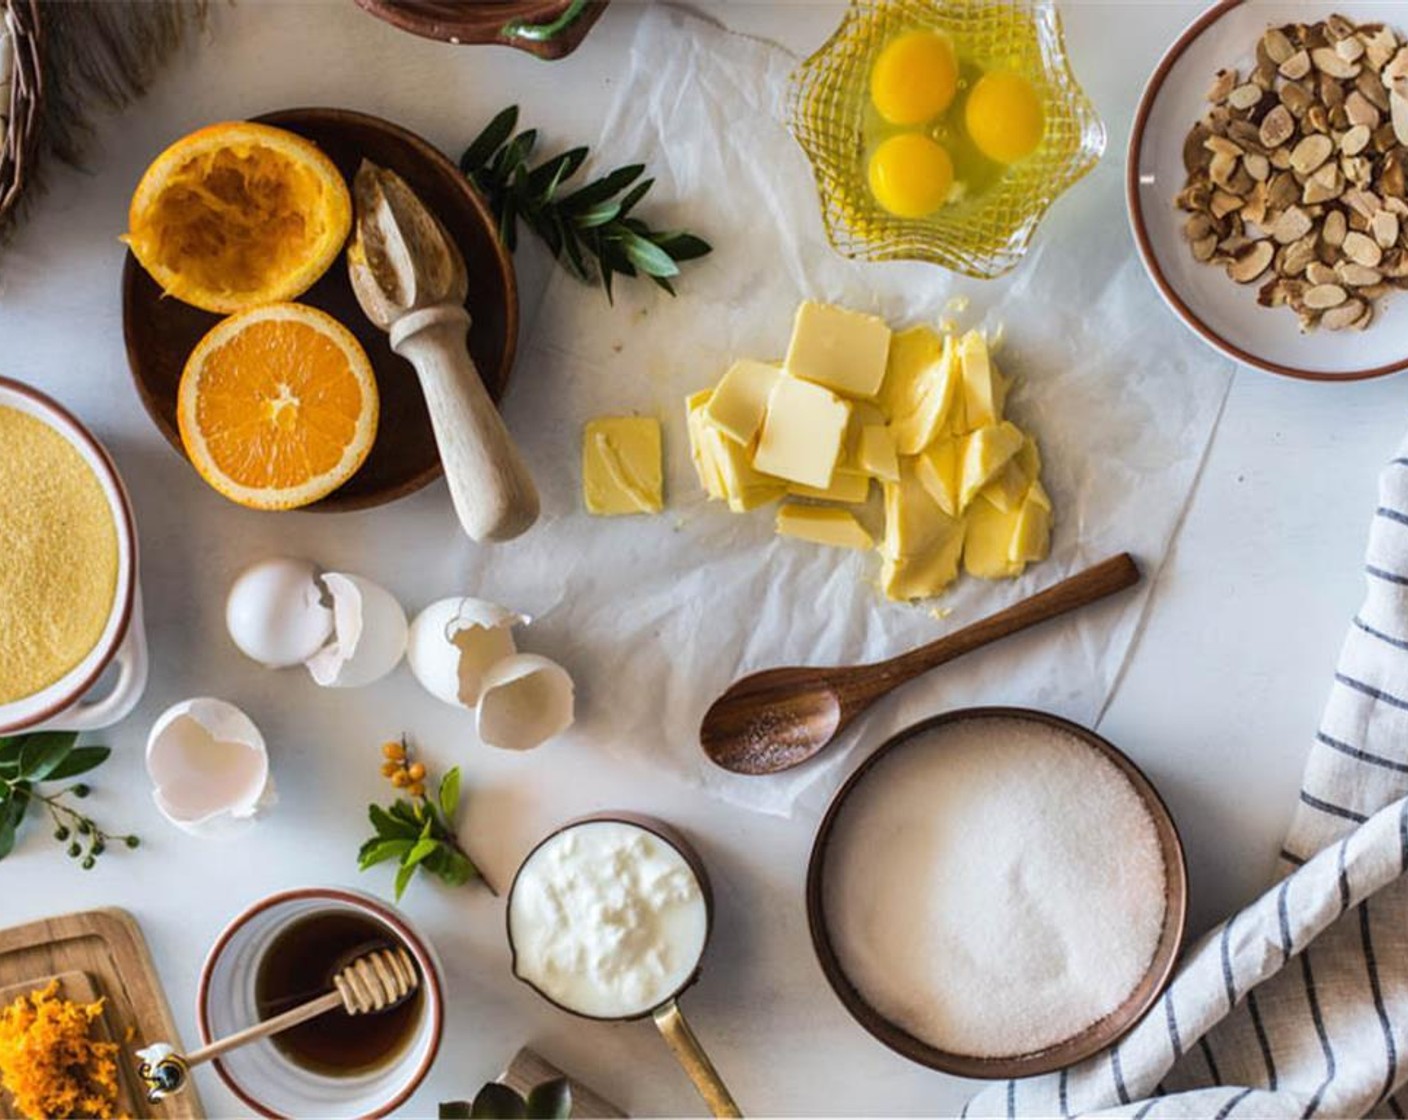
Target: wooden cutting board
{"points": [[100, 953], [530, 1069]]}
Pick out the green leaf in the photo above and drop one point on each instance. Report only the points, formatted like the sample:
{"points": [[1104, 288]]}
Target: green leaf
{"points": [[379, 851], [488, 142], [603, 188], [452, 868], [683, 246], [43, 751], [419, 850], [660, 281], [13, 804], [648, 257], [598, 215], [403, 878], [575, 262], [510, 160], [449, 794], [497, 1102], [403, 810], [508, 223], [547, 177], [455, 1110], [552, 1100], [10, 748], [636, 193], [391, 827], [80, 761]]}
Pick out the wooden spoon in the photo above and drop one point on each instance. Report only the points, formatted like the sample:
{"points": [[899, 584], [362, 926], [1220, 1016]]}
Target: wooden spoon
{"points": [[777, 719], [410, 279], [373, 982]]}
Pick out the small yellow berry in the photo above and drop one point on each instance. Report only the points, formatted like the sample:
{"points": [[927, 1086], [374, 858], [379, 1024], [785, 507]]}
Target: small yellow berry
{"points": [[400, 779], [388, 768], [416, 771], [416, 789], [394, 751]]}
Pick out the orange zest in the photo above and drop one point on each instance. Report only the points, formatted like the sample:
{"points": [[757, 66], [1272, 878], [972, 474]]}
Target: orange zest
{"points": [[239, 214], [50, 1064], [277, 406]]}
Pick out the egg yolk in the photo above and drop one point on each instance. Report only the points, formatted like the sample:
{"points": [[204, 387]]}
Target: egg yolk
{"points": [[910, 175], [915, 78], [1004, 117]]}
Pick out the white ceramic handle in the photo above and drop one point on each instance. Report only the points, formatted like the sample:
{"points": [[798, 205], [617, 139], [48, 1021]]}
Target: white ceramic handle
{"points": [[131, 662], [492, 490]]}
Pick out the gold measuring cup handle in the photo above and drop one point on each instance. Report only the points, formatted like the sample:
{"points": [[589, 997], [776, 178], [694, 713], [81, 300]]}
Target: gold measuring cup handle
{"points": [[693, 1060]]}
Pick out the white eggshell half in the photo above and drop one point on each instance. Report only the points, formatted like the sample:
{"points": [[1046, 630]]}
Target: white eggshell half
{"points": [[454, 642], [275, 612], [526, 701], [369, 634], [210, 767]]}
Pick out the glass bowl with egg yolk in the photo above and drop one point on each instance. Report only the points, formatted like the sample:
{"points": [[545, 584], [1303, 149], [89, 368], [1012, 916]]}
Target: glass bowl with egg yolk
{"points": [[942, 130]]}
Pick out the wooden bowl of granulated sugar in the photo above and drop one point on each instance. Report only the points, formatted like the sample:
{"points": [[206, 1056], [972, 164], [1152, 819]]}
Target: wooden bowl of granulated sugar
{"points": [[997, 892]]}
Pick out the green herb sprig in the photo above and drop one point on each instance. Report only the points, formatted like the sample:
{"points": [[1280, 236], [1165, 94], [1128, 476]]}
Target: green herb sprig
{"points": [[417, 831], [591, 230], [41, 758], [552, 1100]]}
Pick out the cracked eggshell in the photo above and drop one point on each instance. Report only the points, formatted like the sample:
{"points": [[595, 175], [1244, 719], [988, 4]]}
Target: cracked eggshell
{"points": [[526, 700], [369, 634], [210, 767], [454, 642], [275, 612]]}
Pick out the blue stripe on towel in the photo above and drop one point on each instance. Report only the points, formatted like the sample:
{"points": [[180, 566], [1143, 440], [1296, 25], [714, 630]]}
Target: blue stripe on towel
{"points": [[1237, 1098], [1387, 639], [1392, 515], [1319, 1021], [1390, 1047], [1386, 576], [1261, 1041], [1370, 691], [1361, 756], [1331, 808]]}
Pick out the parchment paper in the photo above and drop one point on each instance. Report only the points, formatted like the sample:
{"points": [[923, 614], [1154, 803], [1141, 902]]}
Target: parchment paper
{"points": [[657, 615]]}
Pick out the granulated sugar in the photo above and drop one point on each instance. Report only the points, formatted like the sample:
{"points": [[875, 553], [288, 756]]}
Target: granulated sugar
{"points": [[995, 887]]}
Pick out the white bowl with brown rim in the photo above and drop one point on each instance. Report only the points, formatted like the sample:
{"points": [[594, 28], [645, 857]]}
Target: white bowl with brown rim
{"points": [[67, 704], [1220, 311]]}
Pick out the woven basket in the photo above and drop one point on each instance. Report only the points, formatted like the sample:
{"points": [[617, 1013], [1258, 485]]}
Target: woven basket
{"points": [[21, 141]]}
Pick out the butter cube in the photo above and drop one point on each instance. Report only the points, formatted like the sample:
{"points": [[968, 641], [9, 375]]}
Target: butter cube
{"points": [[722, 464], [802, 433], [621, 469], [938, 470], [921, 387], [840, 349], [922, 544], [847, 486], [876, 454], [986, 452], [741, 399], [1031, 537], [983, 386], [987, 550], [833, 527], [1009, 486]]}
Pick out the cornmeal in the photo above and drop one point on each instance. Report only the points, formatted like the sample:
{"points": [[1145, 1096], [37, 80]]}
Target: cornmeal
{"points": [[58, 556]]}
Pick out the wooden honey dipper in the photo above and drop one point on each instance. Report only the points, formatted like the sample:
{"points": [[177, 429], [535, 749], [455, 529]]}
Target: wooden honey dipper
{"points": [[373, 982]]}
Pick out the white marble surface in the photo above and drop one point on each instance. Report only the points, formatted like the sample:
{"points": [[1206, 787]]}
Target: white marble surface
{"points": [[1218, 704]]}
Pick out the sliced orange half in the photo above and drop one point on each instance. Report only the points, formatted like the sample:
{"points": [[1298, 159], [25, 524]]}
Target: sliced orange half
{"points": [[277, 406], [239, 214]]}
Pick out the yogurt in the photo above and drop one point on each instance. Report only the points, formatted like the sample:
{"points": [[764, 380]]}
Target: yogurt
{"points": [[607, 919]]}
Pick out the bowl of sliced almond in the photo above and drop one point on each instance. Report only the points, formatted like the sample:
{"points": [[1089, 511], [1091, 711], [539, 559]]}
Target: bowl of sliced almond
{"points": [[1267, 182]]}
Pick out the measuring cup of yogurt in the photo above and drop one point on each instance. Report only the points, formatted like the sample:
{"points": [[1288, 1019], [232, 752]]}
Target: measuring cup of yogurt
{"points": [[608, 918]]}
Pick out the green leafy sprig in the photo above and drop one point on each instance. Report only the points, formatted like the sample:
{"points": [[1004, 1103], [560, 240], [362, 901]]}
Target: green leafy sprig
{"points": [[418, 831], [552, 1100], [591, 230], [42, 758]]}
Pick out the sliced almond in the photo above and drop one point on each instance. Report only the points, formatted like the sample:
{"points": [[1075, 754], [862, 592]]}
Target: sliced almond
{"points": [[1341, 317], [1327, 61], [1318, 272], [1325, 185], [1351, 49], [1379, 46], [1362, 250], [1398, 112], [1335, 228], [1224, 203], [1223, 83], [1252, 263], [1221, 146], [1277, 127], [1295, 67], [1222, 168], [1258, 167], [1245, 96], [1364, 203], [1325, 295], [1357, 276], [1338, 28], [1310, 153], [1356, 139], [1292, 225], [1384, 226], [1254, 208], [1277, 45], [1297, 99], [1360, 110], [1395, 75], [1372, 89], [1283, 191], [1204, 247]]}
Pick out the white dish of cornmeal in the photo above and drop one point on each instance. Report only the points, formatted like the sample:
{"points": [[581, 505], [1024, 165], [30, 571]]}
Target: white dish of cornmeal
{"points": [[994, 886], [607, 919]]}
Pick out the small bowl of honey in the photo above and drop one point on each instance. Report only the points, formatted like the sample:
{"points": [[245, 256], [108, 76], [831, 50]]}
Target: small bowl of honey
{"points": [[943, 130], [283, 951]]}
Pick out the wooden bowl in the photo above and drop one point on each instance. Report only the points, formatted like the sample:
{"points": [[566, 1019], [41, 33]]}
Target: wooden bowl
{"points": [[547, 28], [1095, 1037], [161, 332]]}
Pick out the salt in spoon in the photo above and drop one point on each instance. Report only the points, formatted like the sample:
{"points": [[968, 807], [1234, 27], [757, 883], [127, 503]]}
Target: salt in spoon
{"points": [[777, 719]]}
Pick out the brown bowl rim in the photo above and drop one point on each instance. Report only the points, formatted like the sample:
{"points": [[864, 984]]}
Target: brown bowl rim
{"points": [[127, 526], [1098, 1035], [1145, 246], [385, 913], [661, 830], [497, 386]]}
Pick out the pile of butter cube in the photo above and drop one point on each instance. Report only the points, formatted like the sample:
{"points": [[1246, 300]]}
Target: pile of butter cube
{"points": [[919, 412]]}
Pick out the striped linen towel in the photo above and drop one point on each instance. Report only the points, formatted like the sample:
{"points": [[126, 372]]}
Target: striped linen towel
{"points": [[1298, 1004]]}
